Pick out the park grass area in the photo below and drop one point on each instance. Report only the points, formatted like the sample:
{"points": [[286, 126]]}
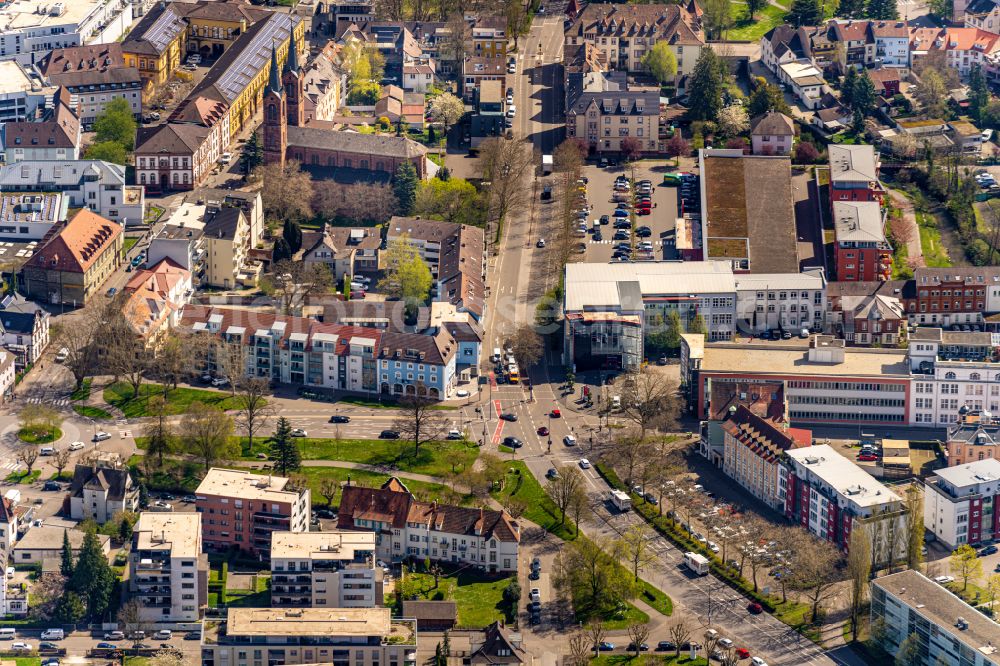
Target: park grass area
{"points": [[64, 477], [935, 254], [478, 597], [39, 434], [25, 661], [258, 596], [178, 399], [23, 477], [746, 29], [83, 392], [541, 510], [657, 599], [434, 458], [91, 412], [135, 661]]}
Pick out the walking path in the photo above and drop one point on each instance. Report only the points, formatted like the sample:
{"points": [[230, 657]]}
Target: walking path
{"points": [[914, 251]]}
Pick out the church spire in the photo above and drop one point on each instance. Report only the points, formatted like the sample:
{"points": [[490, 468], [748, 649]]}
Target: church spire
{"points": [[292, 62], [274, 80]]}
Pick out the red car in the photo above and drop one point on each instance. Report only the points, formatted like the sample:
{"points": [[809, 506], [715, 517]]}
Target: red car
{"points": [[643, 211], [556, 413], [543, 431], [755, 608], [743, 653], [867, 457]]}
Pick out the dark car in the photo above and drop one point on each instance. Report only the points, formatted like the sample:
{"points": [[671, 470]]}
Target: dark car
{"points": [[989, 550], [547, 193], [51, 485], [553, 473], [326, 513], [622, 223], [643, 232], [337, 418], [755, 608], [598, 237], [107, 646], [46, 645], [605, 219], [535, 607], [666, 645], [642, 647], [651, 498], [388, 434], [543, 431], [535, 618], [509, 417], [621, 235], [605, 646], [512, 442], [534, 575]]}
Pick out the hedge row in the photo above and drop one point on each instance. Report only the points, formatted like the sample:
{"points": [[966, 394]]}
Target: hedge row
{"points": [[680, 538]]}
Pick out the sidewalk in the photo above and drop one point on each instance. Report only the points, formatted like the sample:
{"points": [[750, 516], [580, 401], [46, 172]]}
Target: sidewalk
{"points": [[914, 251]]}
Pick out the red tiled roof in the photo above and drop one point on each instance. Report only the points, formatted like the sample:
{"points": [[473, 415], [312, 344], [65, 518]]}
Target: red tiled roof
{"points": [[76, 245]]}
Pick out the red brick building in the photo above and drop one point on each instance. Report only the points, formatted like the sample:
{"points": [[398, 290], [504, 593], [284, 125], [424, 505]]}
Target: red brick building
{"points": [[861, 252], [947, 296], [854, 174], [240, 510]]}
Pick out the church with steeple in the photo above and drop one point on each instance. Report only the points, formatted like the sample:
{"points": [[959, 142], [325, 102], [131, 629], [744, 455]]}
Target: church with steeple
{"points": [[320, 145]]}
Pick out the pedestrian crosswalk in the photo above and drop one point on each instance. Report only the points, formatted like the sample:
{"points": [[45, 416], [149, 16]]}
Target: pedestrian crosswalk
{"points": [[56, 402], [9, 465], [125, 433]]}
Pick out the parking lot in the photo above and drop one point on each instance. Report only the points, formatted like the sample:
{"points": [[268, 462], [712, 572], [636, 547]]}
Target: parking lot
{"points": [[661, 220]]}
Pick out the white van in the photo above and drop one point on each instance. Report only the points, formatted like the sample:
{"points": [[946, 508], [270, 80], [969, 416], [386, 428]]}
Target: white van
{"points": [[47, 451], [497, 355], [6, 634], [53, 635]]}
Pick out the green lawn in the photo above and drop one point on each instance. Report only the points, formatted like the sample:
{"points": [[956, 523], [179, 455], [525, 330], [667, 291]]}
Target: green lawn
{"points": [[385, 403], [656, 598], [745, 30], [91, 412], [40, 435], [83, 392], [646, 660], [260, 596], [26, 661], [935, 254], [435, 459], [178, 400], [478, 598], [23, 477], [541, 509], [129, 243]]}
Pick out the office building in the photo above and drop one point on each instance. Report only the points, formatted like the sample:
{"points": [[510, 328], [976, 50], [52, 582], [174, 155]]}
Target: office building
{"points": [[241, 510], [168, 573], [94, 75], [29, 29], [335, 569], [962, 503]]}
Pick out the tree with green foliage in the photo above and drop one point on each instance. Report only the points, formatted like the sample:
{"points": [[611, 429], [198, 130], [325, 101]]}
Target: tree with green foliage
{"points": [[447, 110], [404, 185], [284, 450], [281, 251], [292, 233], [116, 123], [965, 564], [941, 8], [853, 9], [979, 94], [697, 325], [908, 653], [452, 200], [206, 431], [754, 6], [708, 81], [93, 578], [143, 496], [766, 97], [863, 95], [847, 85], [883, 10], [932, 93], [69, 609], [717, 17], [661, 62], [109, 151], [252, 155], [406, 274], [125, 529], [66, 564], [805, 12]]}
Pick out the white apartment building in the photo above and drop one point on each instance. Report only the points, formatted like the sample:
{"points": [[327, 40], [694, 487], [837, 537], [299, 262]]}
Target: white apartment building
{"points": [[949, 631], [962, 503], [830, 496], [952, 370], [335, 569], [780, 301], [93, 184], [22, 94], [29, 29], [892, 43], [339, 636], [168, 575]]}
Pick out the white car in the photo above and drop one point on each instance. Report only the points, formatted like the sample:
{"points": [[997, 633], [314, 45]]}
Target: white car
{"points": [[757, 661], [511, 111], [535, 595], [10, 572], [944, 579], [461, 393], [160, 504], [725, 643], [115, 635], [714, 547], [163, 634], [569, 440], [584, 463], [62, 355], [299, 432], [76, 446], [226, 158], [20, 647], [219, 381]]}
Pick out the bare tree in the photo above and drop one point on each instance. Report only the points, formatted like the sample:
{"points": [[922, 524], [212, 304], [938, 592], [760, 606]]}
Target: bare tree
{"points": [[729, 657], [526, 346], [628, 452], [60, 461], [255, 409], [131, 620], [206, 432], [649, 400], [634, 548], [179, 356], [293, 282], [578, 503], [287, 191], [638, 632], [813, 569], [458, 36], [329, 488], [596, 632], [914, 520], [506, 165], [230, 361], [563, 488], [680, 634], [579, 649], [419, 421], [166, 658], [859, 568], [27, 454], [752, 550], [370, 202]]}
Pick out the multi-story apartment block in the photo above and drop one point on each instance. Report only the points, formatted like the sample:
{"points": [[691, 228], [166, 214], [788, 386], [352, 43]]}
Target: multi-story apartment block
{"points": [[332, 569], [949, 296], [892, 43], [862, 252], [872, 320], [625, 33], [489, 37], [241, 510], [27, 217], [94, 75], [408, 529], [98, 492], [948, 631], [168, 573], [854, 174], [780, 301], [95, 185], [856, 40], [227, 240], [830, 496], [975, 436], [602, 112], [23, 94], [358, 636], [56, 138], [300, 350], [29, 29], [962, 503], [752, 451], [155, 297], [953, 372]]}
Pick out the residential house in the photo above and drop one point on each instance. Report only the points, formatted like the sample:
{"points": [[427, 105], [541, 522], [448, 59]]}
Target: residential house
{"points": [[156, 297], [94, 75], [398, 106], [873, 320], [57, 138], [604, 113], [92, 184], [857, 41], [954, 295], [772, 134], [886, 81], [832, 119], [625, 33], [805, 81], [362, 636], [785, 44], [241, 510], [955, 372], [418, 76], [406, 528], [25, 328], [380, 315], [180, 240], [973, 437], [497, 646], [753, 451], [830, 496], [982, 14], [333, 569], [46, 543], [345, 250], [324, 86], [854, 174], [892, 43], [98, 492], [862, 252], [488, 119], [73, 260], [9, 527], [962, 503], [477, 69], [489, 37], [168, 573], [766, 400]]}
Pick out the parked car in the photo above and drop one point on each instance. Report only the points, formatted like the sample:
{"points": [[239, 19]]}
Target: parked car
{"points": [[114, 636], [299, 432], [584, 463], [642, 647], [944, 580], [605, 646], [553, 473], [107, 646], [569, 440], [388, 434], [543, 431], [989, 550]]}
